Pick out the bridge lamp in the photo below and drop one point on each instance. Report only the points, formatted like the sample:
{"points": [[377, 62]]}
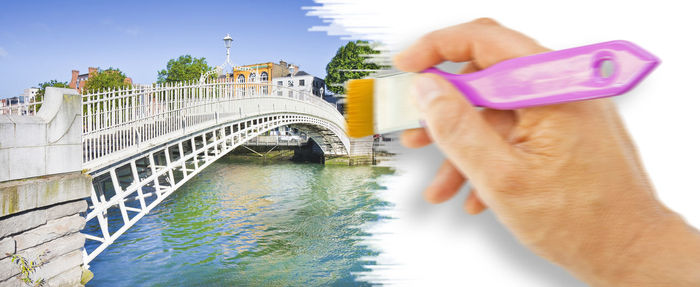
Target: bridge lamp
{"points": [[228, 40]]}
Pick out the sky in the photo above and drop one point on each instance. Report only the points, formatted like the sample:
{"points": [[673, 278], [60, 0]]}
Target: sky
{"points": [[45, 40]]}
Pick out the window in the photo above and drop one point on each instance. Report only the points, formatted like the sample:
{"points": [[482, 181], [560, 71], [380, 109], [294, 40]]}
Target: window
{"points": [[263, 77], [240, 79], [301, 83], [279, 83], [252, 77]]}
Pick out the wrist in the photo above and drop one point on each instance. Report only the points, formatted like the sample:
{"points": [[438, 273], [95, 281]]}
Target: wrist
{"points": [[664, 252]]}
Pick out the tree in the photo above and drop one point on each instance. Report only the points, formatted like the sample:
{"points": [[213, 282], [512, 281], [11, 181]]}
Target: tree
{"points": [[184, 68], [349, 57], [105, 79], [53, 83]]}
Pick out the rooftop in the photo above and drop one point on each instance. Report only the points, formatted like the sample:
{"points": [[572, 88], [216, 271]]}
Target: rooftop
{"points": [[300, 73]]}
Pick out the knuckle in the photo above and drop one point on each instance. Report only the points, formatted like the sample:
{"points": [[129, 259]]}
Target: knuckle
{"points": [[485, 21]]}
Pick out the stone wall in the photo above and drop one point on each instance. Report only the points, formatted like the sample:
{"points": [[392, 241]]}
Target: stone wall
{"points": [[48, 234], [362, 151], [43, 191], [46, 143]]}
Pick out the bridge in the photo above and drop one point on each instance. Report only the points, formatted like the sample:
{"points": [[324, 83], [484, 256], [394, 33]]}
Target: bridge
{"points": [[140, 144]]}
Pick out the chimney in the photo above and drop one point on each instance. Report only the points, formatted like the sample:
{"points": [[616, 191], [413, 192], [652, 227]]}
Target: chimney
{"points": [[284, 64], [73, 78], [91, 70], [127, 81]]}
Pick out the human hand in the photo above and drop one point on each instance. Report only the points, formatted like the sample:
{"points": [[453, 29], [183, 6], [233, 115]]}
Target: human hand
{"points": [[565, 179]]}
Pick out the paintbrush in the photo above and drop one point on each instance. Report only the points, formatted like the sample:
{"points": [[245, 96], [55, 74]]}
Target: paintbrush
{"points": [[385, 104]]}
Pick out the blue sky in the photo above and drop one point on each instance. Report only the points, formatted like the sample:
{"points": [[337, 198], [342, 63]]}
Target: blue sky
{"points": [[45, 40]]}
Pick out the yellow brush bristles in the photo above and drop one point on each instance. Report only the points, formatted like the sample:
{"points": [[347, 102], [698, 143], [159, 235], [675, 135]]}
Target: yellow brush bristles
{"points": [[360, 108]]}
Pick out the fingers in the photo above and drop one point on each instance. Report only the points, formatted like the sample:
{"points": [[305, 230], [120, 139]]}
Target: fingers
{"points": [[447, 182], [502, 121], [458, 128], [415, 138], [473, 204], [482, 41]]}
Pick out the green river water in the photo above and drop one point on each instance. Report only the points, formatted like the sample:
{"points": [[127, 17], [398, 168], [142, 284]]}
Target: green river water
{"points": [[252, 224]]}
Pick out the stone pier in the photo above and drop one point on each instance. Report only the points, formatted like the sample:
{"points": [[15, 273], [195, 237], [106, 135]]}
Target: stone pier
{"points": [[43, 191]]}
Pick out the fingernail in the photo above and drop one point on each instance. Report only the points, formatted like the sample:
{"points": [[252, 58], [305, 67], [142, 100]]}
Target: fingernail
{"points": [[426, 90]]}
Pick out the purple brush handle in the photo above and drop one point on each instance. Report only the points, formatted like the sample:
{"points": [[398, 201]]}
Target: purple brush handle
{"points": [[555, 77]]}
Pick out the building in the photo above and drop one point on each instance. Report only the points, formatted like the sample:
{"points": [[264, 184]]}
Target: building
{"points": [[78, 80], [279, 74], [22, 104], [301, 81], [259, 73]]}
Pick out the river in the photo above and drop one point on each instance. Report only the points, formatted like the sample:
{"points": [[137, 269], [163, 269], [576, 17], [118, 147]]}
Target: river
{"points": [[242, 223]]}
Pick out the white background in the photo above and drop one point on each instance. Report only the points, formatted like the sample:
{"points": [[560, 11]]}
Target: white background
{"points": [[439, 245]]}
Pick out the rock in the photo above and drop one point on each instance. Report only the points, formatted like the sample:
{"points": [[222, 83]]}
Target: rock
{"points": [[59, 265], [8, 269], [71, 278], [12, 282], [53, 229], [66, 209], [7, 245], [55, 248], [18, 223], [86, 276], [17, 196]]}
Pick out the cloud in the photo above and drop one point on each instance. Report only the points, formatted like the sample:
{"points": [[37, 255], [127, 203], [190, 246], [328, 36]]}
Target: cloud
{"points": [[132, 30], [128, 30], [3, 53]]}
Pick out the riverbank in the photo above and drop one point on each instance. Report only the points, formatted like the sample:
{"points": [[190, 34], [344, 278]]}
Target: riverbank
{"points": [[364, 151]]}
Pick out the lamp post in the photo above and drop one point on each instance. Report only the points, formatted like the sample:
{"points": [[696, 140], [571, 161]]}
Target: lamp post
{"points": [[221, 68], [227, 41]]}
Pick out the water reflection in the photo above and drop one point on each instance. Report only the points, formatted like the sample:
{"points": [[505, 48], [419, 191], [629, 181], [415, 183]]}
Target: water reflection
{"points": [[249, 224]]}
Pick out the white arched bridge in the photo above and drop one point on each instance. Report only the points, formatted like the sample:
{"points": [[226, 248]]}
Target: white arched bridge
{"points": [[142, 143]]}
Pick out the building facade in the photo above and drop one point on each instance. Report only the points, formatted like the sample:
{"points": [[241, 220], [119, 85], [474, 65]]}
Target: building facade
{"points": [[279, 74], [302, 81], [26, 98], [259, 73]]}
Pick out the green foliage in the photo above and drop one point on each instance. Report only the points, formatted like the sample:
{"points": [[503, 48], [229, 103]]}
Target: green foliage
{"points": [[53, 83], [105, 79], [27, 268], [184, 68], [349, 57]]}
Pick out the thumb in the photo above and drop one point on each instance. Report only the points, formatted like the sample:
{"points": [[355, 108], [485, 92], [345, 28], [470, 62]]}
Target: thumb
{"points": [[458, 128]]}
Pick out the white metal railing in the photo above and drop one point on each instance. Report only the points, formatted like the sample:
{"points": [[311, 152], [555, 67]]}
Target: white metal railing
{"points": [[115, 120], [22, 105]]}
